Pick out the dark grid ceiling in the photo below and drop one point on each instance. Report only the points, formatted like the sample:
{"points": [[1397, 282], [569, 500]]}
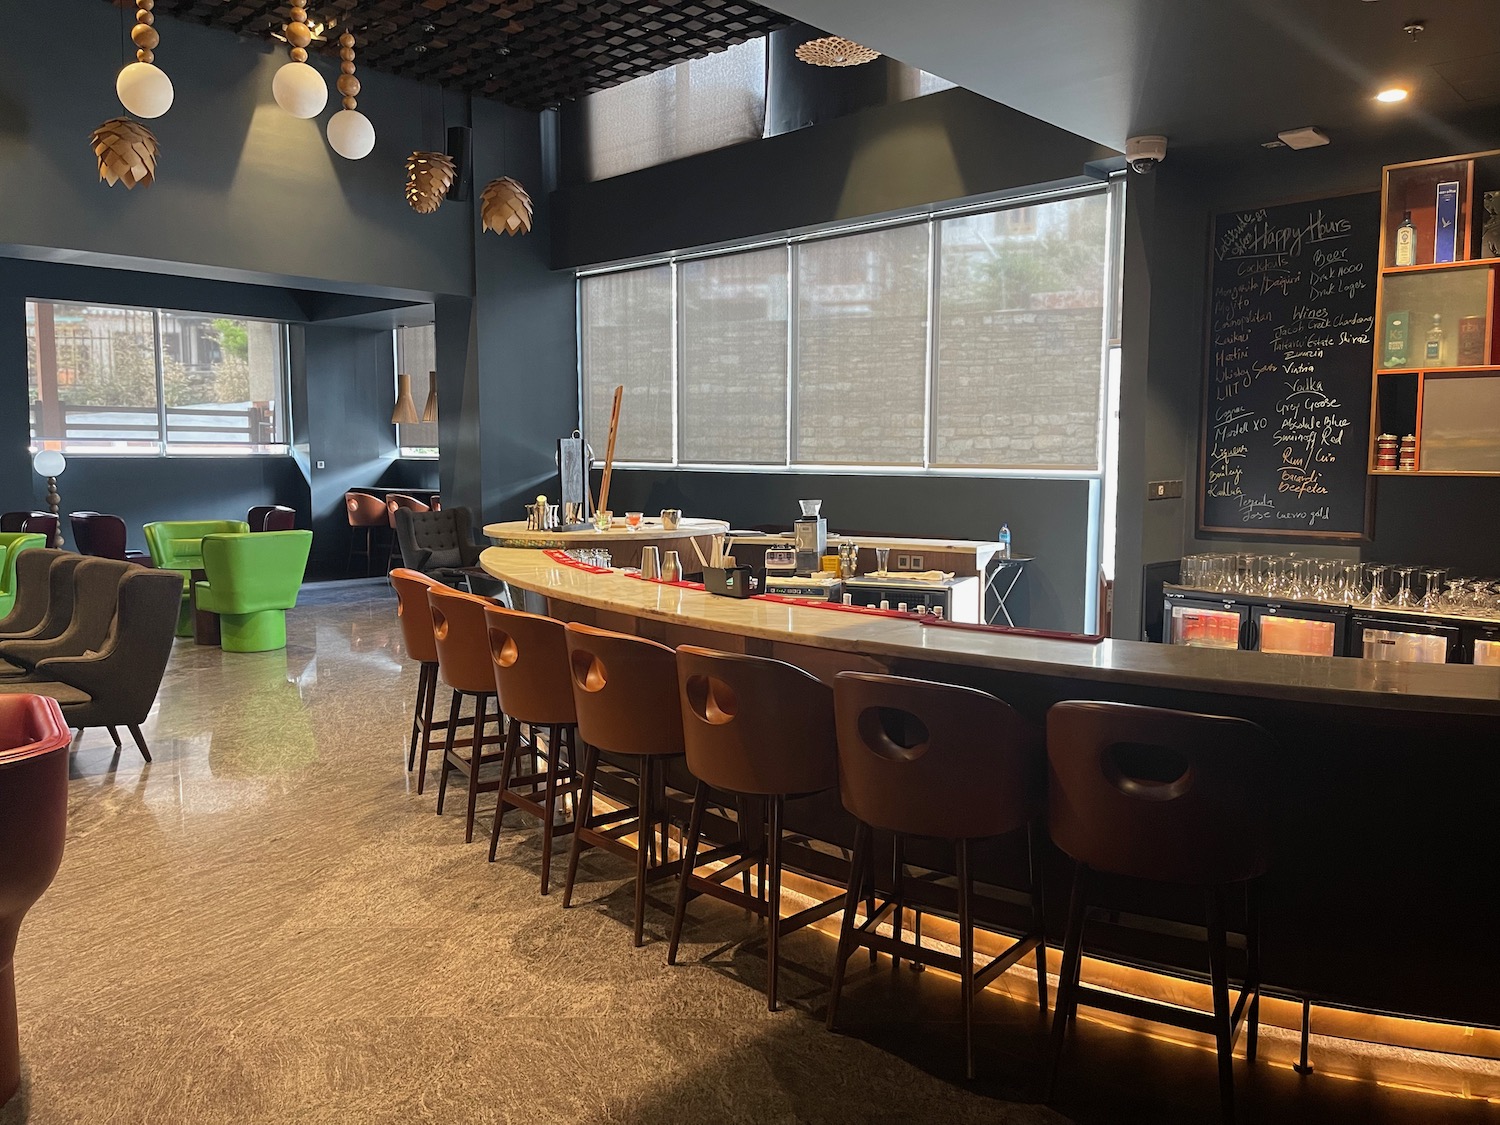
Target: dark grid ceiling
{"points": [[526, 53]]}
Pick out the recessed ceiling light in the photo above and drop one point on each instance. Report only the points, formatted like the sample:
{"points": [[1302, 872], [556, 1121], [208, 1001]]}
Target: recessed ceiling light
{"points": [[1393, 94]]}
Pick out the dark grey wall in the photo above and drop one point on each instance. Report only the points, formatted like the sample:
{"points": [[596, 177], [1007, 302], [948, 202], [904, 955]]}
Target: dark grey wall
{"points": [[1422, 520], [945, 146], [1048, 518], [241, 184]]}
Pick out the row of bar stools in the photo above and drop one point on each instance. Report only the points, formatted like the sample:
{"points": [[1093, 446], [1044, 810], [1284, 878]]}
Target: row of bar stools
{"points": [[754, 728], [464, 664], [946, 763], [530, 655], [1165, 797], [625, 696]]}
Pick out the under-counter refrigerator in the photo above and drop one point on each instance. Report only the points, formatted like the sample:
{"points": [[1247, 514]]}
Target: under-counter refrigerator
{"points": [[1298, 630], [1205, 623], [1481, 644], [1417, 642]]}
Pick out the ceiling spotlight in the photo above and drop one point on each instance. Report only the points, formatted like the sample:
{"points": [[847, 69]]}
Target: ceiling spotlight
{"points": [[1391, 94]]}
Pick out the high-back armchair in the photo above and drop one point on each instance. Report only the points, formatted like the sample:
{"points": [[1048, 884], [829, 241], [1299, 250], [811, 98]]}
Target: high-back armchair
{"points": [[178, 545], [103, 535], [12, 543], [252, 581], [437, 543], [272, 517]]}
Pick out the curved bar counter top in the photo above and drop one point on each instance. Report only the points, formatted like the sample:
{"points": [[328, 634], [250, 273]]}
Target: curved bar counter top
{"points": [[623, 544], [1388, 783]]}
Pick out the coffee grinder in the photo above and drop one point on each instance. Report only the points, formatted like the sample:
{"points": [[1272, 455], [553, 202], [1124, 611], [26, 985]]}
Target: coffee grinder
{"points": [[810, 533]]}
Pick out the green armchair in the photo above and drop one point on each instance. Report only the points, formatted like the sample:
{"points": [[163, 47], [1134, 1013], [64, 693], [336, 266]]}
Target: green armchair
{"points": [[12, 543], [178, 545], [252, 581]]}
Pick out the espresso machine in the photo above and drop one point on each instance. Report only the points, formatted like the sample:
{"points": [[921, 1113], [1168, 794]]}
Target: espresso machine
{"points": [[810, 533]]}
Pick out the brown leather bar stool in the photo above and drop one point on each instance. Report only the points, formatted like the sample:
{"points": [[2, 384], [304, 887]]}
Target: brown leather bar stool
{"points": [[755, 728], [530, 655], [34, 741], [463, 655], [365, 513], [415, 615], [948, 763], [1169, 797], [625, 695]]}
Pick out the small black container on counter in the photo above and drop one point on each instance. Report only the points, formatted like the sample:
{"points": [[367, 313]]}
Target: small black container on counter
{"points": [[727, 581]]}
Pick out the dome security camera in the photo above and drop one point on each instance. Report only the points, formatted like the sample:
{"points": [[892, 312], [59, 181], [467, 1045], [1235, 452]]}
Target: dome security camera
{"points": [[1143, 154]]}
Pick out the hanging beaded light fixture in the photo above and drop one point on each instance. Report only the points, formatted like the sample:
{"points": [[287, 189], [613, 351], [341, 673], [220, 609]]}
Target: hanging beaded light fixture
{"points": [[297, 87], [143, 87], [350, 133], [835, 50]]}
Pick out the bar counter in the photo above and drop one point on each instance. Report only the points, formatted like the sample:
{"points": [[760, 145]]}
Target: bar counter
{"points": [[1381, 896]]}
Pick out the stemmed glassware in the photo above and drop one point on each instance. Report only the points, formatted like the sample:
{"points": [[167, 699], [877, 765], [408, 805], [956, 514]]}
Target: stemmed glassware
{"points": [[1403, 597], [1375, 599], [1433, 588]]}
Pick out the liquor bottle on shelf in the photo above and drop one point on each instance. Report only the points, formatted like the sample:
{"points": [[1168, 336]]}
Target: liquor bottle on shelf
{"points": [[1406, 242], [1470, 341], [1396, 352], [1433, 356]]}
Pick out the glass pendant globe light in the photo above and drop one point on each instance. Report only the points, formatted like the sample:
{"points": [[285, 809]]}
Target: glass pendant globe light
{"points": [[349, 132], [143, 87], [297, 87]]}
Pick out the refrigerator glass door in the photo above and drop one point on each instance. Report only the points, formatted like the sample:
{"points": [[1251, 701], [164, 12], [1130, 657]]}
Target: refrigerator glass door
{"points": [[1297, 636], [1486, 651], [1199, 627], [1412, 648]]}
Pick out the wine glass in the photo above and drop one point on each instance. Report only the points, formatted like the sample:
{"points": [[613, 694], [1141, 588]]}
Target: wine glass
{"points": [[1433, 589], [1377, 579], [1403, 592]]}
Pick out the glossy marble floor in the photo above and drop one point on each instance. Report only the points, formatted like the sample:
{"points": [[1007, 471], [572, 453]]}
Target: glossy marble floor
{"points": [[267, 924]]}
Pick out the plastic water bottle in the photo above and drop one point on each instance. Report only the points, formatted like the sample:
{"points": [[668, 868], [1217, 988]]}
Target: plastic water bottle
{"points": [[1004, 540]]}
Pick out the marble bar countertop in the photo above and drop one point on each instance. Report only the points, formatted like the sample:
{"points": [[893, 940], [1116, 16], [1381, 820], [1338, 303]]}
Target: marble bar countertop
{"points": [[1442, 688], [516, 534]]}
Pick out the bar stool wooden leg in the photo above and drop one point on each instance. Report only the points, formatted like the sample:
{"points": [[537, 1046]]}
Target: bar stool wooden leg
{"points": [[898, 888], [859, 858], [1218, 971], [507, 764], [554, 779], [689, 860], [453, 711], [481, 704], [427, 744], [1038, 914], [773, 914], [582, 817], [643, 834], [423, 687], [1252, 967], [1067, 981], [966, 949]]}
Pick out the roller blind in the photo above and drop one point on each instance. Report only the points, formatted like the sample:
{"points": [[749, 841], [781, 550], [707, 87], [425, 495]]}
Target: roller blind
{"points": [[627, 340]]}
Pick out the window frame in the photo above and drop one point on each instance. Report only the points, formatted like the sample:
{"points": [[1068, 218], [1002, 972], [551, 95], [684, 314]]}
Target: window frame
{"points": [[1113, 192], [409, 452], [162, 445]]}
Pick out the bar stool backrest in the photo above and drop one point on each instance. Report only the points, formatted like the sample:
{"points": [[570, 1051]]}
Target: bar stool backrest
{"points": [[1170, 796], [463, 647], [530, 654], [365, 510], [625, 692], [753, 725], [934, 759], [398, 500], [415, 613]]}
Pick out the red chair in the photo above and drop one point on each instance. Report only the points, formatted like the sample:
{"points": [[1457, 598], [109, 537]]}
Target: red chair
{"points": [[34, 523], [34, 741], [272, 517], [103, 535]]}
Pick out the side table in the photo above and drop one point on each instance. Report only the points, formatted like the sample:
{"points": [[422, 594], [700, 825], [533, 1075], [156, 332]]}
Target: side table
{"points": [[205, 624], [1000, 582]]}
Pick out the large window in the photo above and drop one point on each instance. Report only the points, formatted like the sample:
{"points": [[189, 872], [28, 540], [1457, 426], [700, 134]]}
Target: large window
{"points": [[416, 355], [973, 340], [691, 107], [126, 380]]}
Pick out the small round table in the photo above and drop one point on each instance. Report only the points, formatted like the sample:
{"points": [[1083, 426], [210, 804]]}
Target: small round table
{"points": [[624, 546]]}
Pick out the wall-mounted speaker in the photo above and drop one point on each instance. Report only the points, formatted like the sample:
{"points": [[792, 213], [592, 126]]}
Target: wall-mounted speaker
{"points": [[461, 149]]}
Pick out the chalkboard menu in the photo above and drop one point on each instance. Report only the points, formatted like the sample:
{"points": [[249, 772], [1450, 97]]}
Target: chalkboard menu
{"points": [[1286, 400]]}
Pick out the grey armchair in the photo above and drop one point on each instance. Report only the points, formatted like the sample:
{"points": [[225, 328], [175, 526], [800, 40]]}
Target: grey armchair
{"points": [[95, 596], [34, 571], [437, 543], [117, 685]]}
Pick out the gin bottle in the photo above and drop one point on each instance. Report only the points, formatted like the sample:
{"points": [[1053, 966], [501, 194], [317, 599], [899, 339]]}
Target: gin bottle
{"points": [[1406, 242]]}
